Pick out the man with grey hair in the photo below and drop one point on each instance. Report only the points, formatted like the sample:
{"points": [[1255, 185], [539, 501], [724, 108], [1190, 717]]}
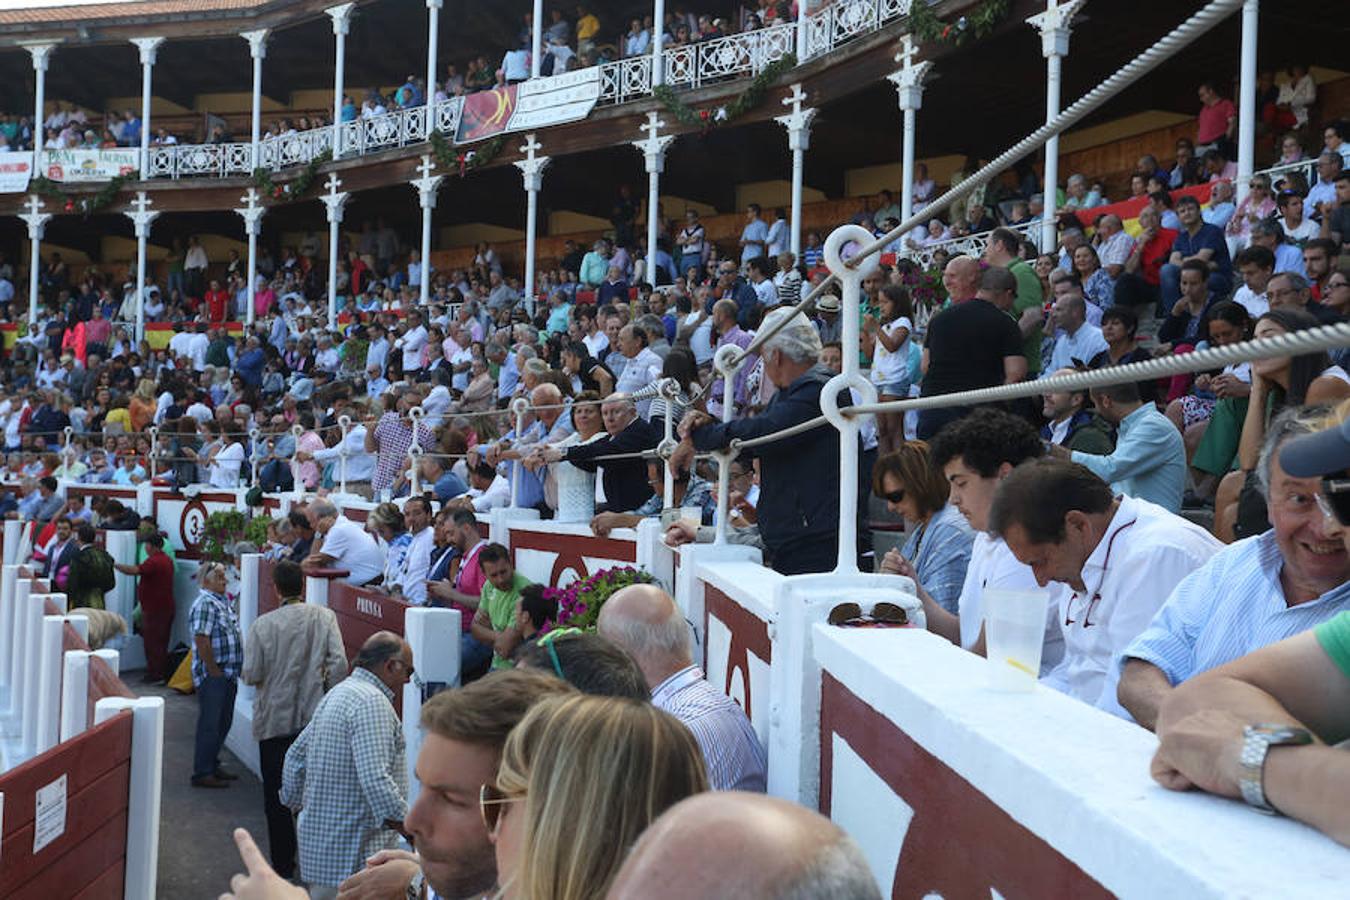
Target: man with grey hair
{"points": [[1287, 580], [340, 543], [721, 845], [643, 366], [646, 623], [346, 774], [1114, 246], [1290, 290], [799, 478], [625, 480], [1080, 340], [1288, 257]]}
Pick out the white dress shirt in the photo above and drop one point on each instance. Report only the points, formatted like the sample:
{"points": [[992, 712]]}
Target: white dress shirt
{"points": [[993, 567], [1144, 554], [639, 372], [412, 344], [416, 563]]}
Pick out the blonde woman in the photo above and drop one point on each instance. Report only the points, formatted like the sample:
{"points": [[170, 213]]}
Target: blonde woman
{"points": [[622, 761], [143, 406]]}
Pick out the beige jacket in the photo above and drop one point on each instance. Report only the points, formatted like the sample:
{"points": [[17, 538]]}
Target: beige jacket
{"points": [[293, 655]]}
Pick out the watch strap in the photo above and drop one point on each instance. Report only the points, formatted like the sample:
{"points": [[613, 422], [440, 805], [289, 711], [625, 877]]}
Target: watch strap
{"points": [[1256, 743]]}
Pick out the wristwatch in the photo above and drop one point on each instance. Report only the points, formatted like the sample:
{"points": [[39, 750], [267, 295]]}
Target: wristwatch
{"points": [[417, 885], [1256, 743]]}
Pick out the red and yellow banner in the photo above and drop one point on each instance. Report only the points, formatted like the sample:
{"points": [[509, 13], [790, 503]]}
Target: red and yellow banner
{"points": [[486, 114], [158, 334], [1128, 210]]}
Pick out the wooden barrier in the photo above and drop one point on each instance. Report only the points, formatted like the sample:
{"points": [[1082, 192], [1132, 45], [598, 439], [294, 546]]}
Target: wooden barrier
{"points": [[91, 775], [362, 612]]}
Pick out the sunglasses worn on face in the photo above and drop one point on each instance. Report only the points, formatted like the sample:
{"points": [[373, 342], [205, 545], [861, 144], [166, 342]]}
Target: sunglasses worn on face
{"points": [[894, 496], [1334, 499], [490, 802]]}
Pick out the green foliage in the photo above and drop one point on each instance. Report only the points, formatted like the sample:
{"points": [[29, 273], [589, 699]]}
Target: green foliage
{"points": [[296, 187], [255, 532], [222, 531], [709, 117], [86, 204], [928, 28], [465, 161]]}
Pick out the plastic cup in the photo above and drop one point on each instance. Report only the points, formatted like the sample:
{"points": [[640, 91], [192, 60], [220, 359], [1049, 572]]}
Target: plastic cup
{"points": [[692, 515], [1014, 623]]}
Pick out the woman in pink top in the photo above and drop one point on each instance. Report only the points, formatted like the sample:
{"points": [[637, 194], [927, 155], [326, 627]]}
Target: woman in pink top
{"points": [[263, 298], [308, 443], [1257, 205]]}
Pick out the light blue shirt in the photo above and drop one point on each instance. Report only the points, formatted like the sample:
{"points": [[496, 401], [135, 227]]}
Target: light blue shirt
{"points": [[940, 554], [1149, 461], [1218, 214], [755, 231], [1082, 345], [1289, 258], [1200, 628]]}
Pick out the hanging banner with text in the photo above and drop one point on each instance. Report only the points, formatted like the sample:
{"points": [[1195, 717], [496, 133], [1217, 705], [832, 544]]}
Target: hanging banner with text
{"points": [[532, 104], [16, 168], [90, 165]]}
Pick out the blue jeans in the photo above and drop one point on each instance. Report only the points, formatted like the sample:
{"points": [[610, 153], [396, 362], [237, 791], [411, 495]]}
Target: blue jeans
{"points": [[215, 714], [473, 654], [1219, 286]]}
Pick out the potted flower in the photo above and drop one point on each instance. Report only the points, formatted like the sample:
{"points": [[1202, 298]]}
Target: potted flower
{"points": [[580, 602]]}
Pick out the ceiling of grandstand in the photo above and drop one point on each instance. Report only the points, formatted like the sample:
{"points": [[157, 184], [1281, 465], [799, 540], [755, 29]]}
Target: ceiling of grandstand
{"points": [[979, 100]]}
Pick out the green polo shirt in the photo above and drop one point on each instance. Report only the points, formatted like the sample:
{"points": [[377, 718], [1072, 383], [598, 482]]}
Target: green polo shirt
{"points": [[1029, 294], [1334, 636], [501, 608]]}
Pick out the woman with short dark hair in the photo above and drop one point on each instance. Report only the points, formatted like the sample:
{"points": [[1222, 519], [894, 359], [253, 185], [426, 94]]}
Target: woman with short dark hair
{"points": [[937, 551]]}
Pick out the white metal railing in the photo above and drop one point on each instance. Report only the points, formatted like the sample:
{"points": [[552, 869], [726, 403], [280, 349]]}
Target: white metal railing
{"points": [[1305, 167], [685, 67], [847, 20], [968, 245], [369, 135]]}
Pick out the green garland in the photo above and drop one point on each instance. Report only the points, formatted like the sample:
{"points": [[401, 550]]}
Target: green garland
{"points": [[708, 117], [465, 161], [928, 28], [296, 187], [86, 204]]}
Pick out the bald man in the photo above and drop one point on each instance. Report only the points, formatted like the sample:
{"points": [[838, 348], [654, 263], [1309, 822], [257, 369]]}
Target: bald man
{"points": [[733, 845], [971, 344], [645, 622]]}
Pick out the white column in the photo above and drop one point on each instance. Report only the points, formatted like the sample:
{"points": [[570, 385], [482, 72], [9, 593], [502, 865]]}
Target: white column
{"points": [[47, 733], [342, 18], [257, 50], [141, 216], [653, 148], [144, 789], [908, 83], [36, 220], [1247, 97], [1053, 24], [333, 202], [798, 125], [658, 29], [426, 195], [433, 38], [41, 53], [149, 47], [532, 172], [252, 213], [536, 38], [802, 18], [74, 693], [851, 377]]}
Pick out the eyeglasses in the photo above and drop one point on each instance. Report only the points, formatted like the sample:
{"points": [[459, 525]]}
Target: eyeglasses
{"points": [[490, 802], [1097, 595], [1334, 499], [894, 496]]}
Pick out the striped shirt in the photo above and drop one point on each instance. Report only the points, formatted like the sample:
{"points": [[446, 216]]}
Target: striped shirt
{"points": [[347, 775], [731, 750], [1200, 628]]}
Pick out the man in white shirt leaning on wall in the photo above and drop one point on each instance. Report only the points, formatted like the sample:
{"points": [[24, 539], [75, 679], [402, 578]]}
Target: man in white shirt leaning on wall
{"points": [[1121, 557]]}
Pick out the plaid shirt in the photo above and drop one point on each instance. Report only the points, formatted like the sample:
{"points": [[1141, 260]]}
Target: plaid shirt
{"points": [[346, 774], [393, 437], [213, 616]]}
